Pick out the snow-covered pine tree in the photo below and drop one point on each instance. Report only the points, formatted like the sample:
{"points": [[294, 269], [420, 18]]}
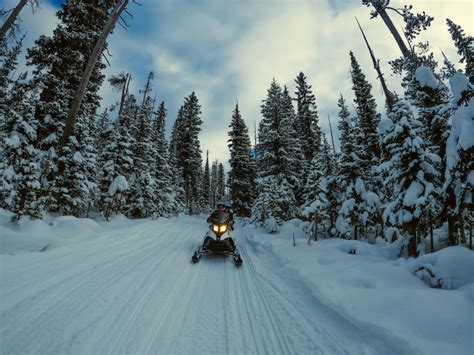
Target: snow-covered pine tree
{"points": [[242, 172], [410, 173], [359, 200], [465, 47], [214, 178], [274, 160], [206, 185], [20, 188], [367, 116], [220, 181], [176, 170], [59, 62], [298, 165], [307, 118], [142, 182], [318, 205], [165, 196], [117, 163], [459, 174], [188, 152], [8, 63]]}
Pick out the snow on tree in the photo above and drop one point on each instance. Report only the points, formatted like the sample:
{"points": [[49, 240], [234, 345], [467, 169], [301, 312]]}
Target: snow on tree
{"points": [[367, 116], [20, 188], [117, 160], [220, 181], [214, 182], [206, 185], [187, 152], [242, 172], [465, 47], [321, 194], [459, 174], [410, 173], [165, 196], [59, 62], [275, 158], [307, 120], [142, 181], [8, 63]]}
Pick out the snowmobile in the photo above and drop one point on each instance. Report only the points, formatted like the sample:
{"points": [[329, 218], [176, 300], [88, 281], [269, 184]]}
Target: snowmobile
{"points": [[217, 240]]}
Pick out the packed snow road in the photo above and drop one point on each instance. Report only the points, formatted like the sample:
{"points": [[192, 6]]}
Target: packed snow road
{"points": [[135, 291]]}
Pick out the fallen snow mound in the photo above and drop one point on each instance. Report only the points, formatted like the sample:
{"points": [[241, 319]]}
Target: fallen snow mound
{"points": [[449, 268]]}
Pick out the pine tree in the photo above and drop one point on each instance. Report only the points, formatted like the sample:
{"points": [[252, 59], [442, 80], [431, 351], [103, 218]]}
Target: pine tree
{"points": [[307, 118], [458, 185], [366, 110], [465, 47], [176, 170], [20, 187], [8, 63], [410, 173], [187, 152], [165, 196], [142, 182], [214, 178], [242, 172], [275, 159], [206, 185], [117, 164], [220, 181], [59, 62]]}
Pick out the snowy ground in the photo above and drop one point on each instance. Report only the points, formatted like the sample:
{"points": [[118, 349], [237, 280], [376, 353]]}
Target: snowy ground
{"points": [[129, 287]]}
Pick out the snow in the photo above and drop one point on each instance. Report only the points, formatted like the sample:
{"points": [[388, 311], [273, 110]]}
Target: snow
{"points": [[13, 142], [118, 184], [412, 194], [425, 77], [461, 136], [459, 83], [127, 286]]}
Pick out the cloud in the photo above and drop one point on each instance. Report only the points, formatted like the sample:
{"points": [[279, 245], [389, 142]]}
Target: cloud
{"points": [[231, 50]]}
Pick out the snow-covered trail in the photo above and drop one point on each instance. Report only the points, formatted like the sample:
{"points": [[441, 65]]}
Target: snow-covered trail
{"points": [[135, 291]]}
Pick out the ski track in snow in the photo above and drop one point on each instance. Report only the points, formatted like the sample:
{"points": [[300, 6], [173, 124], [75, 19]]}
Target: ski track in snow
{"points": [[136, 291]]}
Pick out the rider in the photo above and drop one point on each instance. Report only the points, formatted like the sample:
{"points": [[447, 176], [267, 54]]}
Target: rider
{"points": [[223, 207]]}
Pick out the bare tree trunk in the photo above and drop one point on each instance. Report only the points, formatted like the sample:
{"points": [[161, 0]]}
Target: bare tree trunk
{"points": [[81, 90], [412, 242], [124, 92], [431, 232], [386, 91], [332, 137], [393, 30], [11, 19]]}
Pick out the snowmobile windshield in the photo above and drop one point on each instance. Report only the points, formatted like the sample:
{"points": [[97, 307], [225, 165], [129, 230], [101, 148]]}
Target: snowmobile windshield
{"points": [[219, 217]]}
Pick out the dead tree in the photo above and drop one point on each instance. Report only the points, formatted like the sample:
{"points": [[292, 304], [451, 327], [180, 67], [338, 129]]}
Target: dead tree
{"points": [[117, 11], [388, 94], [10, 21]]}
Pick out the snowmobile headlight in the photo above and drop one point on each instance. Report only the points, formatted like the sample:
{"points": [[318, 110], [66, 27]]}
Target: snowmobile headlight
{"points": [[215, 228], [222, 228]]}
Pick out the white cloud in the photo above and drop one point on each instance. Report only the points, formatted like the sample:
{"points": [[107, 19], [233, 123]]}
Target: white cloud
{"points": [[228, 51]]}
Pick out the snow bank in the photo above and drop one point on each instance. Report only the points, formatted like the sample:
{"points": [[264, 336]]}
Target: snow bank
{"points": [[375, 290], [449, 268], [42, 235]]}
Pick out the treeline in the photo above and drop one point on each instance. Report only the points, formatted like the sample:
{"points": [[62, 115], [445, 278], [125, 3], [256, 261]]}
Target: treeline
{"points": [[399, 176], [402, 170], [106, 166]]}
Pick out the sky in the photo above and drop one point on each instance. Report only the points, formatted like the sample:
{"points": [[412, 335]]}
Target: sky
{"points": [[230, 51]]}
